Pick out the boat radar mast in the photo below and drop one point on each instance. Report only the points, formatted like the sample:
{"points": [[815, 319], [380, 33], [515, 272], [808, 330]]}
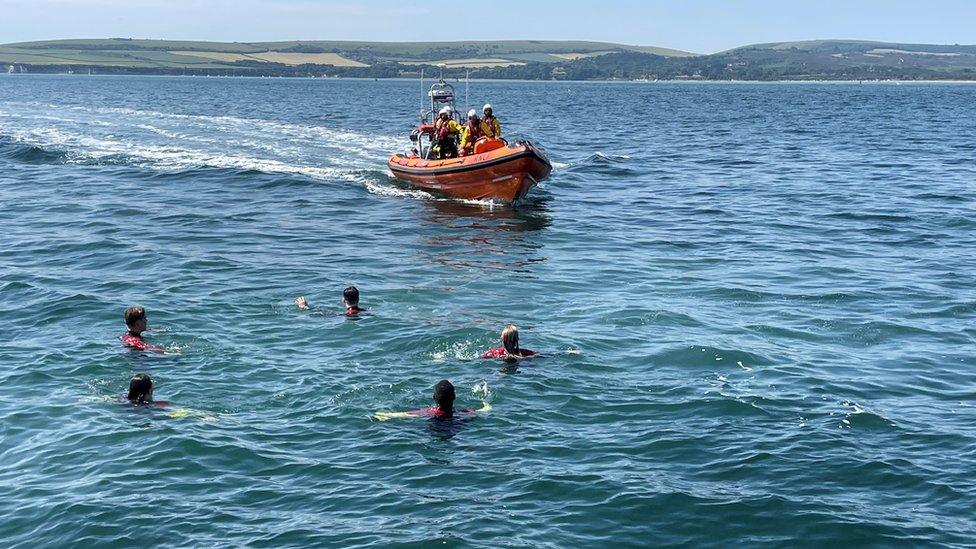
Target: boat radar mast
{"points": [[440, 93]]}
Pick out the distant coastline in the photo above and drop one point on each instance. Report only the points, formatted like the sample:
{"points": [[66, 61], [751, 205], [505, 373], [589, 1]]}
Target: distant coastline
{"points": [[475, 80], [816, 60]]}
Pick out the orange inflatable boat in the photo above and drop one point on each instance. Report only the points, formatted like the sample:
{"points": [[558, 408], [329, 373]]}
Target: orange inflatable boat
{"points": [[496, 170]]}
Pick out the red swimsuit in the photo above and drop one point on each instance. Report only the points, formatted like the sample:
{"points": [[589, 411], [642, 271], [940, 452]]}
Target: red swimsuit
{"points": [[501, 353], [137, 342], [434, 411]]}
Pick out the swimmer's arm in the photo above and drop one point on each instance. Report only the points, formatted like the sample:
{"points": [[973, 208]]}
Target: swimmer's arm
{"points": [[157, 349], [304, 305], [142, 345], [386, 416]]}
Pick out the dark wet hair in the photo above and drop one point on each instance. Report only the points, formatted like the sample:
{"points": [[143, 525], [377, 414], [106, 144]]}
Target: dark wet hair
{"points": [[351, 295], [140, 388], [133, 315], [444, 395]]}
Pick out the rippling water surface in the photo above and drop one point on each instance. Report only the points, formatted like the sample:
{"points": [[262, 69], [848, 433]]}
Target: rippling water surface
{"points": [[756, 303]]}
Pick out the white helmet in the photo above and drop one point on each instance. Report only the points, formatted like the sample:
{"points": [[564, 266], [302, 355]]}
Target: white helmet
{"points": [[486, 107], [446, 110], [472, 113]]}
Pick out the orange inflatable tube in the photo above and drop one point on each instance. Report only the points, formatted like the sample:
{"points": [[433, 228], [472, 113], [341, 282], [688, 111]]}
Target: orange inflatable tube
{"points": [[496, 171]]}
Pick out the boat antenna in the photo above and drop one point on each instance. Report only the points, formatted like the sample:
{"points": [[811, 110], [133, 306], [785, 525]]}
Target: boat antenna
{"points": [[467, 104], [421, 95]]}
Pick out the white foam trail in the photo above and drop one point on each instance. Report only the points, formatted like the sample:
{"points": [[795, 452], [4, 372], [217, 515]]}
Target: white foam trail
{"points": [[173, 142], [602, 154], [348, 141], [390, 190], [81, 149]]}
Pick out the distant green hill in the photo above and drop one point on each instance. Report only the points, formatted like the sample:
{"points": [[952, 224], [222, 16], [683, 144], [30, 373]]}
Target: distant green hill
{"points": [[530, 59], [123, 53], [848, 46]]}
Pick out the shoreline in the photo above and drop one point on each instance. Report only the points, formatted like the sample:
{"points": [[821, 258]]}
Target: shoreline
{"points": [[449, 80]]}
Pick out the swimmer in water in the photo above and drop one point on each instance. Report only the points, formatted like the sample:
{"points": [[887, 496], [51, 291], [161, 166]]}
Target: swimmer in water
{"points": [[135, 321], [510, 346], [443, 408], [141, 392], [350, 299]]}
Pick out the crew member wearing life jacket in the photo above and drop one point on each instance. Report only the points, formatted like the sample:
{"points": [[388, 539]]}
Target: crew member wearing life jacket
{"points": [[446, 131], [490, 126], [471, 133]]}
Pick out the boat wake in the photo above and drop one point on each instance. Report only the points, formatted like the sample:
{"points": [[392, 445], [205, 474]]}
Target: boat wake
{"points": [[176, 143]]}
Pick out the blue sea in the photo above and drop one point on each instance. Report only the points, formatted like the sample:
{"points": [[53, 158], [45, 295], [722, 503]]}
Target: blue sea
{"points": [[756, 305]]}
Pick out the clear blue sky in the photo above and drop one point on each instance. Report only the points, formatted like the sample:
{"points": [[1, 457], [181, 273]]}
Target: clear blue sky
{"points": [[704, 26]]}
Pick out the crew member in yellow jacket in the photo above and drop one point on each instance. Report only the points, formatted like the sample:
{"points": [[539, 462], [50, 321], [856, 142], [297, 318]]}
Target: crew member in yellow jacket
{"points": [[446, 131], [490, 126], [470, 133]]}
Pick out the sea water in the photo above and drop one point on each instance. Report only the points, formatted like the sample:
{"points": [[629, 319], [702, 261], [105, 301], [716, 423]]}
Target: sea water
{"points": [[755, 303]]}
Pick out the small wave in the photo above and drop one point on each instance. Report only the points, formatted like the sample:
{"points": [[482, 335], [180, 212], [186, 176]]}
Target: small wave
{"points": [[608, 164], [605, 156], [857, 216], [29, 154], [708, 357], [597, 158], [728, 162], [858, 417]]}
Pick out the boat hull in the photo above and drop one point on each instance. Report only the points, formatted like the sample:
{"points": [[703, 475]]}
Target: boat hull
{"points": [[503, 175]]}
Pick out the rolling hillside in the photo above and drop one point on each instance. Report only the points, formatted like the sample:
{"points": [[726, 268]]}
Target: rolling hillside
{"points": [[528, 59], [174, 54]]}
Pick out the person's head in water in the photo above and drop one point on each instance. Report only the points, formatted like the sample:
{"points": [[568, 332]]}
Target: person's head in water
{"points": [[140, 389], [444, 396], [350, 296], [135, 320], [510, 339]]}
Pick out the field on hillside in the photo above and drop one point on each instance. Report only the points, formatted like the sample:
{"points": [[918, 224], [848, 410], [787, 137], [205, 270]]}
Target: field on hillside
{"points": [[121, 52], [514, 59], [284, 58]]}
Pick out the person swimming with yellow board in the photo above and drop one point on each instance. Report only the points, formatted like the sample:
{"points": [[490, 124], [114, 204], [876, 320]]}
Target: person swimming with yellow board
{"points": [[141, 389], [443, 407]]}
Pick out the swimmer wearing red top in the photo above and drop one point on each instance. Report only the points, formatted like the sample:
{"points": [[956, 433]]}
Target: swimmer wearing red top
{"points": [[510, 346], [135, 321], [350, 299], [443, 406]]}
